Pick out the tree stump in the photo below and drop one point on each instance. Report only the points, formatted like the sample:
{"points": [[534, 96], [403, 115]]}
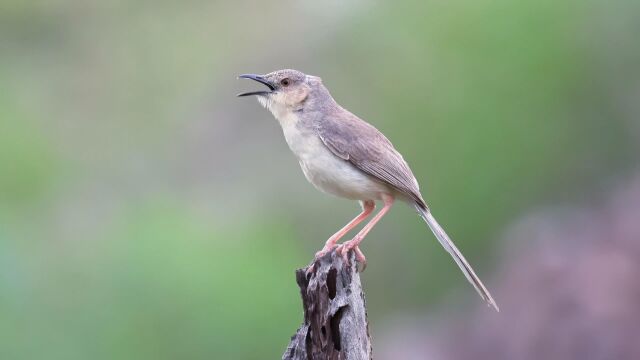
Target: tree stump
{"points": [[335, 323]]}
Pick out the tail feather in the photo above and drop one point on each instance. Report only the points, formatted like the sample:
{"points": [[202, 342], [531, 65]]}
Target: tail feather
{"points": [[448, 245]]}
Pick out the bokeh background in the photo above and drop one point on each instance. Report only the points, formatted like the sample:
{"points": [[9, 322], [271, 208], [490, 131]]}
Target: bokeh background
{"points": [[147, 213]]}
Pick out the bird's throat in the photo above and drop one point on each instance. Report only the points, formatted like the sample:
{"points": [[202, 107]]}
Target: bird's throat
{"points": [[283, 113]]}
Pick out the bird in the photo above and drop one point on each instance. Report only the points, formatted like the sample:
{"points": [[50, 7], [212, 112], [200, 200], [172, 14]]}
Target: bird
{"points": [[343, 155]]}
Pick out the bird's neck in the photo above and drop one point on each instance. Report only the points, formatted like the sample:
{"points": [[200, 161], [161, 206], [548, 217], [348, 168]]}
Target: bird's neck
{"points": [[285, 114]]}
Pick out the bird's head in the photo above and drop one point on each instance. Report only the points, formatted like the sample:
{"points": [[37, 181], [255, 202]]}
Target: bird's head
{"points": [[287, 90]]}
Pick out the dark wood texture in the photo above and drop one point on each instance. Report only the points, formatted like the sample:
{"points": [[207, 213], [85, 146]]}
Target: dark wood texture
{"points": [[335, 318]]}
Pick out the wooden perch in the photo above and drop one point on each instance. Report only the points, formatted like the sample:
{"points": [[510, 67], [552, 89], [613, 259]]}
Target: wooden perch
{"points": [[335, 323]]}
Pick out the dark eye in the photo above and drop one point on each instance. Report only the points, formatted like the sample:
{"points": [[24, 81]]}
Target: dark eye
{"points": [[284, 82]]}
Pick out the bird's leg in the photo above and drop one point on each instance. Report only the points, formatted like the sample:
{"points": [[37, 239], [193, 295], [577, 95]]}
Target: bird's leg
{"points": [[367, 208], [353, 243]]}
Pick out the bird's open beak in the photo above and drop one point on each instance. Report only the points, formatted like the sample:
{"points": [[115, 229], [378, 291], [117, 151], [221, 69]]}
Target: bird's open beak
{"points": [[259, 79]]}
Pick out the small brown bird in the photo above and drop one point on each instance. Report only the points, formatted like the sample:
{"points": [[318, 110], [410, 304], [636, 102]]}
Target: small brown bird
{"points": [[341, 154]]}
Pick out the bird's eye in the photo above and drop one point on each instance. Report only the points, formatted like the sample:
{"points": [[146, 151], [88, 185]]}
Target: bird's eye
{"points": [[284, 82]]}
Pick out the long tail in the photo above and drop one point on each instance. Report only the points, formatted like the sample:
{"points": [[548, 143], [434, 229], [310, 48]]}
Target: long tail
{"points": [[448, 245]]}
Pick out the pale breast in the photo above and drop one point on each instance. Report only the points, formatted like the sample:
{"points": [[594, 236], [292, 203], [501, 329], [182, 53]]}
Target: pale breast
{"points": [[326, 171]]}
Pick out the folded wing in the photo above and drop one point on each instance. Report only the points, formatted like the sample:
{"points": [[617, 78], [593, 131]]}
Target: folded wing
{"points": [[358, 142]]}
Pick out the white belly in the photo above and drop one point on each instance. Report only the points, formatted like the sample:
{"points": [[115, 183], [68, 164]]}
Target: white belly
{"points": [[326, 171]]}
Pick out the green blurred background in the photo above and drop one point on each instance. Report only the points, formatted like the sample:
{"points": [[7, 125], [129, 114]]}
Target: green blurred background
{"points": [[147, 213]]}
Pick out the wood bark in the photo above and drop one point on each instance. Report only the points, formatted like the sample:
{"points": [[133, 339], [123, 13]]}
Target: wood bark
{"points": [[335, 323]]}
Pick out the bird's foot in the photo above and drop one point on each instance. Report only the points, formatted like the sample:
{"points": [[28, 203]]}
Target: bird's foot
{"points": [[360, 258], [328, 246], [325, 250], [343, 250]]}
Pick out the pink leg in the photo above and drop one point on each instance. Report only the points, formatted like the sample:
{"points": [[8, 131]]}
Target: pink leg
{"points": [[367, 208], [353, 243]]}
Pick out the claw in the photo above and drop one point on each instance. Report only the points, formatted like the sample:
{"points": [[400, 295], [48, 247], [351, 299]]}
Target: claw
{"points": [[343, 251], [310, 269], [361, 259]]}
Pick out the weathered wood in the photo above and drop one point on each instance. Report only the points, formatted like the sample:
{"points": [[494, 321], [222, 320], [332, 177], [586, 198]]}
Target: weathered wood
{"points": [[335, 323]]}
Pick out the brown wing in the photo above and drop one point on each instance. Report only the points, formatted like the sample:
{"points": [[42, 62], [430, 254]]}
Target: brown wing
{"points": [[358, 142]]}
